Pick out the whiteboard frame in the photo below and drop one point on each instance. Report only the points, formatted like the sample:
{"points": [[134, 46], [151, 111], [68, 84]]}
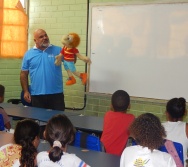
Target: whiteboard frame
{"points": [[91, 5]]}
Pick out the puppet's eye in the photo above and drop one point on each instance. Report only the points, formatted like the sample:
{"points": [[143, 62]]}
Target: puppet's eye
{"points": [[69, 38]]}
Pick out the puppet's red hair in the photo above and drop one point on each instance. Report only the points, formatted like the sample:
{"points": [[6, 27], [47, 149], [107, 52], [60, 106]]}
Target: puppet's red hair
{"points": [[76, 40]]}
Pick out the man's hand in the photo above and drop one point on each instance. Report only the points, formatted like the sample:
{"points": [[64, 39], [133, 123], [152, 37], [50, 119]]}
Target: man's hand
{"points": [[27, 97], [58, 60]]}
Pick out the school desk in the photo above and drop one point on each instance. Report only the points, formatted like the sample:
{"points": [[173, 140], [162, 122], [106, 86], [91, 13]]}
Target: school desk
{"points": [[89, 124], [93, 158], [39, 114]]}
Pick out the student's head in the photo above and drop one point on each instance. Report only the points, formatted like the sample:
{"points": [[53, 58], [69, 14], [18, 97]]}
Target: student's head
{"points": [[26, 134], [148, 131], [120, 100], [59, 132], [2, 92], [176, 108]]}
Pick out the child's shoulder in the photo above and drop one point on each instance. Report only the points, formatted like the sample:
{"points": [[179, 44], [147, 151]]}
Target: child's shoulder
{"points": [[119, 113], [9, 154]]}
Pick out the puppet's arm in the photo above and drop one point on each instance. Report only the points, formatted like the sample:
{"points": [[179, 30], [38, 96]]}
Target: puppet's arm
{"points": [[84, 58], [58, 59]]}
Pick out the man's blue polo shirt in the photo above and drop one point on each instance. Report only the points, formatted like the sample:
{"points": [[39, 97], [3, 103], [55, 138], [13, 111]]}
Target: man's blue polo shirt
{"points": [[45, 76]]}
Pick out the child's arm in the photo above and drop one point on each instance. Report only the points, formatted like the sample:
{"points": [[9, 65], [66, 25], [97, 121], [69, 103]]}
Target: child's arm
{"points": [[8, 125], [5, 119], [84, 58]]}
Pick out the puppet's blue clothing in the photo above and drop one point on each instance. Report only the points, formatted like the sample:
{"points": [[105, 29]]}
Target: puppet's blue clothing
{"points": [[69, 65]]}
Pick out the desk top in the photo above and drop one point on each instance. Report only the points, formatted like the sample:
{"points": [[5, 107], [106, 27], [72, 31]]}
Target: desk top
{"points": [[93, 158], [40, 114], [89, 123], [10, 105], [86, 123]]}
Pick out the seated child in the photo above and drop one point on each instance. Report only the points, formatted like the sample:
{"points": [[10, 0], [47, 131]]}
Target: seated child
{"points": [[59, 132], [176, 129], [2, 111], [23, 152], [148, 133], [116, 122]]}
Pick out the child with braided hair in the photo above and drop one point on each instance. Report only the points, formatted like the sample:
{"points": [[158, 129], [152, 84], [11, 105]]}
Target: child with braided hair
{"points": [[149, 134], [59, 132], [24, 150]]}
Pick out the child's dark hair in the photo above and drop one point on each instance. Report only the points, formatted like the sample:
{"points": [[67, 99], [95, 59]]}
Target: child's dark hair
{"points": [[2, 90], [176, 107], [148, 131], [59, 129], [120, 100], [25, 132]]}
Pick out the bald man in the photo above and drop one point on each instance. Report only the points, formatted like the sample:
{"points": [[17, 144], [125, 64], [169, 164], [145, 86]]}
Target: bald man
{"points": [[46, 81]]}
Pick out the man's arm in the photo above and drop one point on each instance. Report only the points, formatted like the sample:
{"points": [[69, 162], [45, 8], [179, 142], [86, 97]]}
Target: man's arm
{"points": [[24, 84]]}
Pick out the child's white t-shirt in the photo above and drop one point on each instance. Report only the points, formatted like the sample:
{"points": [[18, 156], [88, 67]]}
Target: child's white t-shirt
{"points": [[142, 156], [67, 160]]}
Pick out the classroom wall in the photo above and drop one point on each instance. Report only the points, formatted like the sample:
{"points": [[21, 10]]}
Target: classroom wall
{"points": [[59, 17], [9, 77]]}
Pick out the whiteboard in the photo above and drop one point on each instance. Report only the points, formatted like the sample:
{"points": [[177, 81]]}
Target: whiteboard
{"points": [[142, 49]]}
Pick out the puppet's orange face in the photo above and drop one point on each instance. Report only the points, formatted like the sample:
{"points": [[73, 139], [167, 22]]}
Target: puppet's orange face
{"points": [[71, 40]]}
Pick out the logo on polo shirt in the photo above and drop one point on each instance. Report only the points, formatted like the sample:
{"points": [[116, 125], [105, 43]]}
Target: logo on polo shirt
{"points": [[50, 55]]}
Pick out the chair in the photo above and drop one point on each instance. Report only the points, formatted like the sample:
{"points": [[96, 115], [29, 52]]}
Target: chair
{"points": [[14, 101], [88, 141], [178, 147], [18, 101], [2, 126], [21, 100]]}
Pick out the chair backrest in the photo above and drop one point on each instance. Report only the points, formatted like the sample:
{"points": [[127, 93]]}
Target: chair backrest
{"points": [[21, 100], [88, 141], [178, 147], [14, 101], [2, 126]]}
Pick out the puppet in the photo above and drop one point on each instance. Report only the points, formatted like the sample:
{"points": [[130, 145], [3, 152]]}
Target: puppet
{"points": [[69, 54]]}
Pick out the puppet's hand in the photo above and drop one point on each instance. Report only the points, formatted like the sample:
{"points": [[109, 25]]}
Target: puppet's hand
{"points": [[58, 60], [87, 60], [84, 58]]}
